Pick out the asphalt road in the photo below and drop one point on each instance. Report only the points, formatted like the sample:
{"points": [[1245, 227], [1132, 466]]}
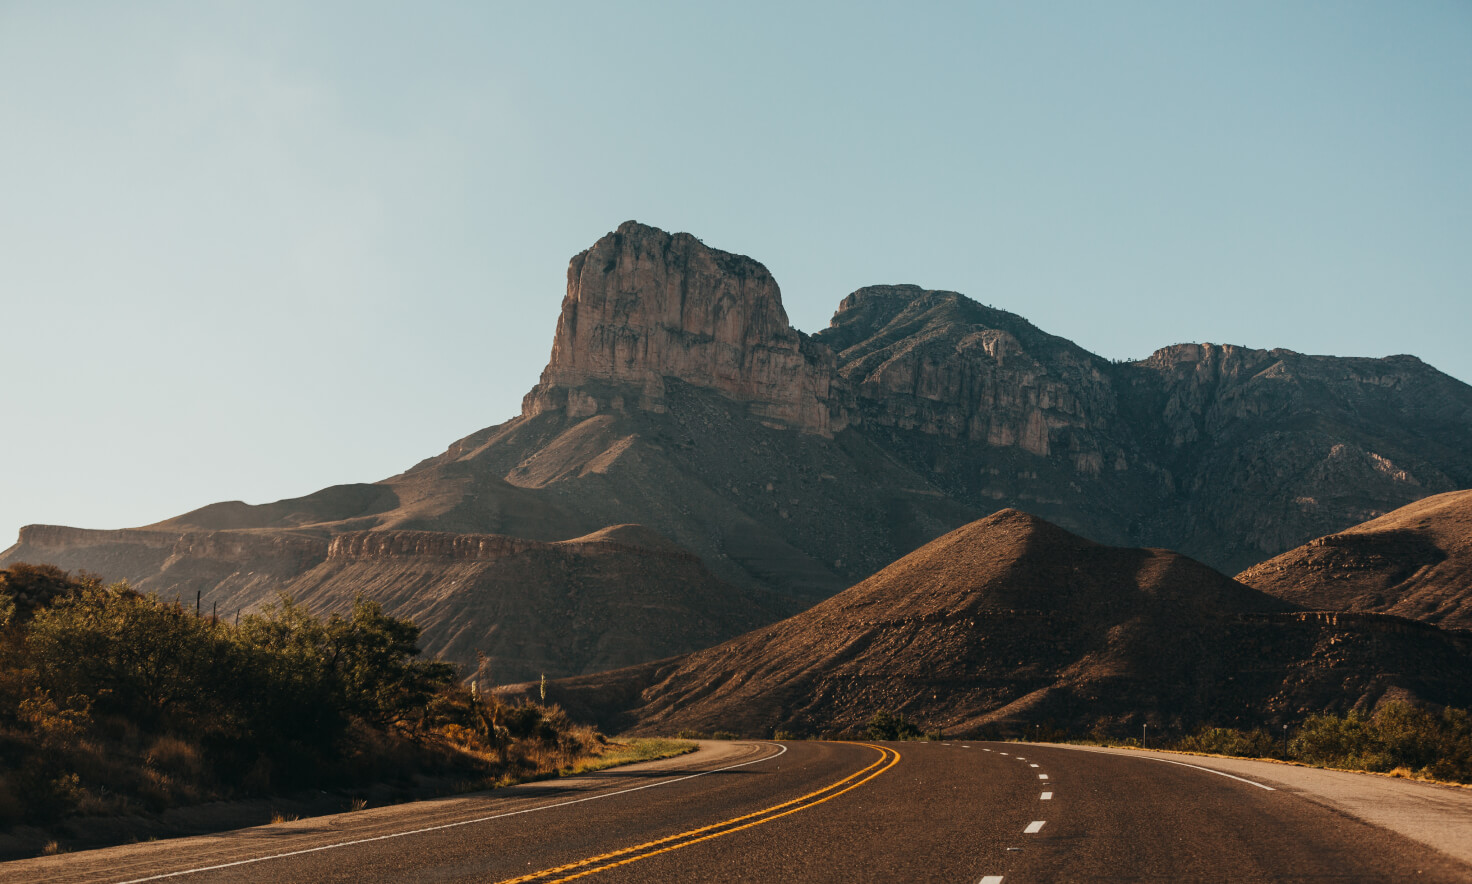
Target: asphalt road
{"points": [[953, 812]]}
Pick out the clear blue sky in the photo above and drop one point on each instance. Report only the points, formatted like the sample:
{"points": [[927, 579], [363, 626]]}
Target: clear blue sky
{"points": [[249, 250]]}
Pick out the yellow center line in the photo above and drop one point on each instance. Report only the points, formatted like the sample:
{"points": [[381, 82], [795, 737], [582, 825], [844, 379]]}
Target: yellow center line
{"points": [[646, 850]]}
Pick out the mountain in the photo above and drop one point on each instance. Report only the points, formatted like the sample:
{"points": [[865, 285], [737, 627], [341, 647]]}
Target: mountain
{"points": [[1415, 562], [677, 396], [1011, 621]]}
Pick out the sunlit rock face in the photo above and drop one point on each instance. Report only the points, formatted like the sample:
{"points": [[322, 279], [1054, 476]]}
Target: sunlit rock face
{"points": [[644, 306], [943, 364]]}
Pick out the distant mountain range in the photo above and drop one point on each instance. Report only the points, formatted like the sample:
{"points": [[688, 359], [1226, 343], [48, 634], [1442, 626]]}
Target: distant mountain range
{"points": [[771, 469]]}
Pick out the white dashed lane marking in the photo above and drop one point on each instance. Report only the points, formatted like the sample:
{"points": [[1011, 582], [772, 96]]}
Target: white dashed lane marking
{"points": [[1046, 796], [1042, 776], [1032, 765], [992, 879], [1033, 827]]}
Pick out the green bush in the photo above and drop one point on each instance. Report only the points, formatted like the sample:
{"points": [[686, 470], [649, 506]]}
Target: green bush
{"points": [[886, 725], [1229, 741], [1398, 737]]}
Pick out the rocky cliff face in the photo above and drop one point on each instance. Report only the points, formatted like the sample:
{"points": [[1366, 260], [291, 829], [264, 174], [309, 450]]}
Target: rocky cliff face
{"points": [[940, 363], [644, 306], [1267, 448]]}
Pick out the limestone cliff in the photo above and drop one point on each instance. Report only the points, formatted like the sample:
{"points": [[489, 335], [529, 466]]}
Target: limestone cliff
{"points": [[644, 306]]}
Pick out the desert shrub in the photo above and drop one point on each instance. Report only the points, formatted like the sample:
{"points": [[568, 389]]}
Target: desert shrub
{"points": [[26, 588], [1397, 736], [112, 700], [1230, 741], [132, 655], [886, 725]]}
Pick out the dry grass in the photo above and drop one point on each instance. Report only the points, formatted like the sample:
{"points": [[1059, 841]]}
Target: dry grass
{"points": [[631, 752]]}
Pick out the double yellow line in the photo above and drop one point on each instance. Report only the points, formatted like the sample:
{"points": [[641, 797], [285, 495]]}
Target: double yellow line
{"points": [[887, 758]]}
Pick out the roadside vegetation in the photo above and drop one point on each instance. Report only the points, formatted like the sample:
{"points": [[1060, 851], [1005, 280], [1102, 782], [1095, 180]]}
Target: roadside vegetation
{"points": [[116, 702], [1398, 739]]}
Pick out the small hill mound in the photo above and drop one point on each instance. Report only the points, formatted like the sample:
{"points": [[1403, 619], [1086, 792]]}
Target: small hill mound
{"points": [[1414, 562], [1010, 621]]}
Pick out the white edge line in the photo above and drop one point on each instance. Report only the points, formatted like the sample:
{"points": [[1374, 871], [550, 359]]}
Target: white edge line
{"points": [[1181, 763], [245, 862], [1209, 770]]}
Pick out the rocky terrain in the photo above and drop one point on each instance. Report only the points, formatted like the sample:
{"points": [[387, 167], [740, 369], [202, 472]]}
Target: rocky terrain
{"points": [[1415, 562], [678, 397], [617, 596], [1011, 622]]}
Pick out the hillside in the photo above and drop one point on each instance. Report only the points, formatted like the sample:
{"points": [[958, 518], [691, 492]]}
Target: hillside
{"points": [[1011, 621], [618, 596], [1415, 562]]}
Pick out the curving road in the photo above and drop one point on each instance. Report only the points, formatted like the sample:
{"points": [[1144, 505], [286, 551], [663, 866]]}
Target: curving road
{"points": [[812, 811]]}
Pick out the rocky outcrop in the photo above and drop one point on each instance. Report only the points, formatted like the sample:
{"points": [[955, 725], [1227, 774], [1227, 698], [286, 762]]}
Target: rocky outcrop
{"points": [[644, 306], [1265, 449], [371, 545], [942, 364]]}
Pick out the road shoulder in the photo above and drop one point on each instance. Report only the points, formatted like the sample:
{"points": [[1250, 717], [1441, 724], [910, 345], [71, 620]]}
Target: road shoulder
{"points": [[1432, 814]]}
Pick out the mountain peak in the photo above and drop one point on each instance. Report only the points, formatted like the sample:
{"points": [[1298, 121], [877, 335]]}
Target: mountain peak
{"points": [[644, 306]]}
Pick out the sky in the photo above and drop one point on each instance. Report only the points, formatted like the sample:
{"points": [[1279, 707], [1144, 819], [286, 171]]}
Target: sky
{"points": [[249, 250]]}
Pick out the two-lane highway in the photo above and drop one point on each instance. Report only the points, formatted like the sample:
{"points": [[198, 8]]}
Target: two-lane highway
{"points": [[816, 811]]}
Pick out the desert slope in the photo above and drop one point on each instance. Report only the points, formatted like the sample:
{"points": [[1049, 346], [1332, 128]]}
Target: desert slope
{"points": [[1415, 562], [618, 596]]}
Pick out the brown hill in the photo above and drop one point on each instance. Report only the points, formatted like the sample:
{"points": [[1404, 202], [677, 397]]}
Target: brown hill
{"points": [[617, 596], [1415, 562], [1012, 621]]}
